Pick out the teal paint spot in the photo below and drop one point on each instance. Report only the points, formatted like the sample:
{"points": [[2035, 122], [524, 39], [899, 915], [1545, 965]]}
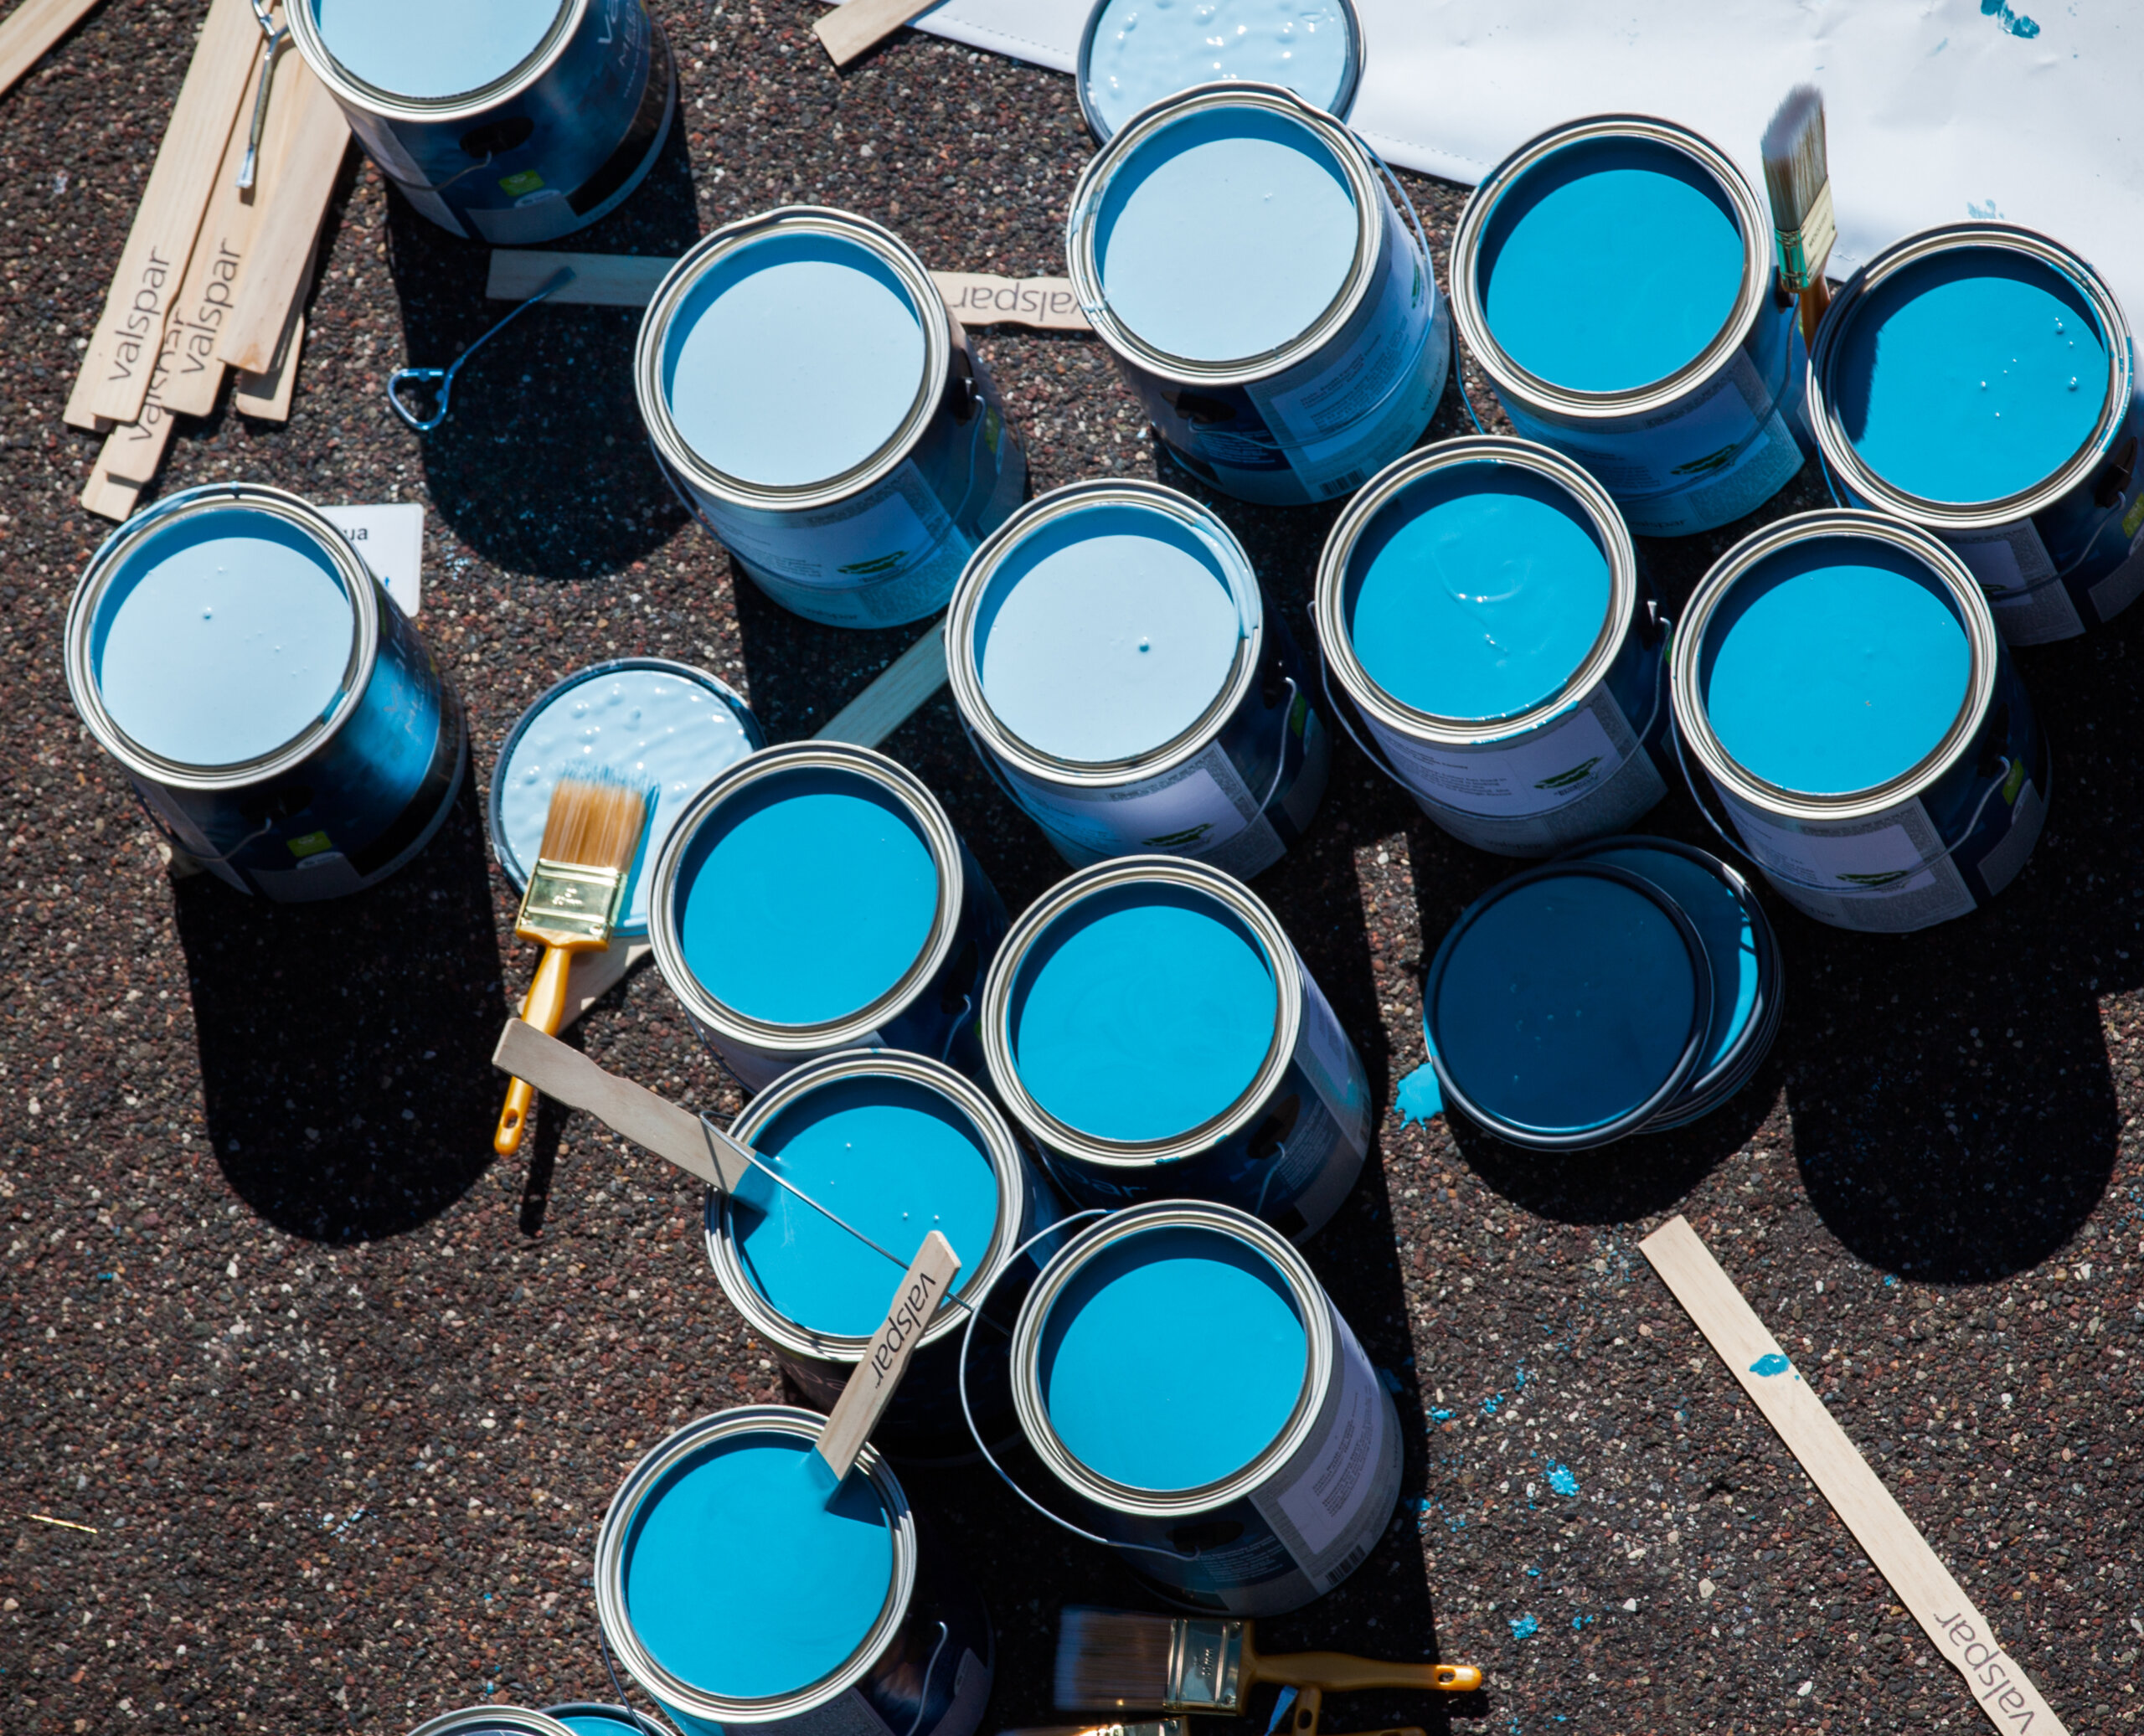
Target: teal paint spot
{"points": [[1561, 1480], [1421, 1096], [1525, 1628], [1578, 1622], [2015, 23], [1489, 1405], [1769, 1366], [1443, 1416]]}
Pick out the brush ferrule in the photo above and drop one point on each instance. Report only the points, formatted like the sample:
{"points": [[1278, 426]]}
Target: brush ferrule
{"points": [[1206, 1666], [567, 900], [1803, 251]]}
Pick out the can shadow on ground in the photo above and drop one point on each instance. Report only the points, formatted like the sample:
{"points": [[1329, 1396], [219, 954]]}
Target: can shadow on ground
{"points": [[541, 466], [345, 1046]]}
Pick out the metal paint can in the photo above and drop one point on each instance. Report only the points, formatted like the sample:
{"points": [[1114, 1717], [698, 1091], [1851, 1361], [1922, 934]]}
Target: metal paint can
{"points": [[815, 898], [1133, 52], [1149, 1023], [1178, 1341], [1286, 345], [592, 1718], [1446, 559], [669, 723], [544, 145], [673, 1590], [804, 386], [939, 1156], [1893, 777], [493, 1721], [1113, 663], [2045, 507], [350, 749], [1615, 278]]}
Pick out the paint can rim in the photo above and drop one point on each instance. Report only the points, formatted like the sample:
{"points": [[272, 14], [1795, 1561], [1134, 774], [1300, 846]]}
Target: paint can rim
{"points": [[979, 1272], [1329, 597], [366, 599], [1313, 1307], [1528, 389], [603, 1708], [932, 317], [964, 675], [1691, 715], [521, 1720], [671, 1691], [1371, 208], [1343, 100], [1844, 457], [515, 870], [1639, 1117], [346, 86], [1239, 902], [806, 1042]]}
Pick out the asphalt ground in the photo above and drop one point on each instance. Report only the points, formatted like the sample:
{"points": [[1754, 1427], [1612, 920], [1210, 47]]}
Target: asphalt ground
{"points": [[341, 1399]]}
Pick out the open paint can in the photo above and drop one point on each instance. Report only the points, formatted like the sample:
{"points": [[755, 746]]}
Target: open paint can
{"points": [[804, 384], [1839, 678], [1481, 605], [1134, 53], [1978, 381], [815, 898], [1149, 1023], [1615, 279], [1181, 1374], [1235, 247], [592, 1718], [665, 726], [1113, 660], [896, 1146], [495, 1721], [741, 1591], [276, 712], [511, 121]]}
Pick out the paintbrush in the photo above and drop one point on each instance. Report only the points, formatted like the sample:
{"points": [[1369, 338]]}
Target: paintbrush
{"points": [[590, 836], [1114, 1660], [1798, 177]]}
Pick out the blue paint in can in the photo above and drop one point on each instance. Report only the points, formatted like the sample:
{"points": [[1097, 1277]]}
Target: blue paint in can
{"points": [[414, 48], [590, 1718], [742, 1579], [1114, 1386], [1136, 52], [1144, 1014], [1835, 668]]}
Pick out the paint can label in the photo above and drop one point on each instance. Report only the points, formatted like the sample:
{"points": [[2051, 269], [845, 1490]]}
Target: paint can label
{"points": [[1329, 1504], [2031, 605], [2122, 586], [1201, 809], [1879, 875], [1334, 1069]]}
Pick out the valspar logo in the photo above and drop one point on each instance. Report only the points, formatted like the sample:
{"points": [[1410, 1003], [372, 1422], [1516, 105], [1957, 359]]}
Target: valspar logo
{"points": [[1999, 1685]]}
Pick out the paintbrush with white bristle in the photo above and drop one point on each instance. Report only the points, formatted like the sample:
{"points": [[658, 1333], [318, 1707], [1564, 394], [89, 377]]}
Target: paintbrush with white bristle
{"points": [[1798, 177]]}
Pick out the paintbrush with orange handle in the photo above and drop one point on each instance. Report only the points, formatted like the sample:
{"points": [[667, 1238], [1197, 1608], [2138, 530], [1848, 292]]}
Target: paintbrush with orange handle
{"points": [[591, 836]]}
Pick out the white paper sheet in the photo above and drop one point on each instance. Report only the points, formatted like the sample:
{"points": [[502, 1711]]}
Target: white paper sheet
{"points": [[1938, 110]]}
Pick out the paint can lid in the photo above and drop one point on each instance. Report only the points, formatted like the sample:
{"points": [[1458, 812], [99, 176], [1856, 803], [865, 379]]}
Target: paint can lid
{"points": [[647, 719], [1133, 52], [1568, 1006]]}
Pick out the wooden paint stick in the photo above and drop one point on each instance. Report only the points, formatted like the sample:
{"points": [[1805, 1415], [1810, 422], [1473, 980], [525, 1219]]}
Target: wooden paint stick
{"points": [[593, 974], [31, 31], [128, 338], [299, 164], [205, 297], [895, 694], [132, 453], [569, 1077], [851, 31], [267, 397], [1958, 1631], [107, 495], [870, 1389]]}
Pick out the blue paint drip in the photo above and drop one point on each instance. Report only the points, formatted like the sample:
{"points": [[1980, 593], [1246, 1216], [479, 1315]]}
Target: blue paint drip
{"points": [[1561, 1480], [2015, 23], [1769, 1366], [1421, 1096], [1525, 1628]]}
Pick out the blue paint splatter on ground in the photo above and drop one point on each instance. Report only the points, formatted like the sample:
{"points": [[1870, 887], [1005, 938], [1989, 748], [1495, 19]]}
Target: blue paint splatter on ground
{"points": [[1525, 1628], [1489, 1405], [1421, 1096], [1561, 1480], [1443, 1416], [1579, 1622], [1770, 1365], [2017, 23]]}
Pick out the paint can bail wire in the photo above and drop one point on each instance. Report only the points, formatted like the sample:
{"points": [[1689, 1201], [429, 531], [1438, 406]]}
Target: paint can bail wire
{"points": [[442, 378]]}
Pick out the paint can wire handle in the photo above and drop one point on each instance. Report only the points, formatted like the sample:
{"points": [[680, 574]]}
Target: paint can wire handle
{"points": [[1370, 754], [1280, 758], [968, 1410], [274, 35], [443, 377]]}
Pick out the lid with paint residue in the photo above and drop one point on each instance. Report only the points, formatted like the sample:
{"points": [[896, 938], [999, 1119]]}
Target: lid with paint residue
{"points": [[1133, 52]]}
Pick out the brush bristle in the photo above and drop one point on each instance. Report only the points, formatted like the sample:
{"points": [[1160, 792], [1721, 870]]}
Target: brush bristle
{"points": [[1112, 1660], [594, 822], [1795, 167]]}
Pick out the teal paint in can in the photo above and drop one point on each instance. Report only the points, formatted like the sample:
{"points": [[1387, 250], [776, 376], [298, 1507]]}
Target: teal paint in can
{"points": [[493, 1721], [592, 1718]]}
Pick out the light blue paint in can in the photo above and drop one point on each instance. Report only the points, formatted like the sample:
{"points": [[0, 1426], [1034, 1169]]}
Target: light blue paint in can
{"points": [[1615, 279], [1149, 1024], [814, 898], [1480, 603], [1236, 249], [802, 383], [739, 1590], [1134, 53], [276, 712], [513, 122], [666, 725], [1980, 381], [1839, 678], [1179, 1370], [1115, 665]]}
